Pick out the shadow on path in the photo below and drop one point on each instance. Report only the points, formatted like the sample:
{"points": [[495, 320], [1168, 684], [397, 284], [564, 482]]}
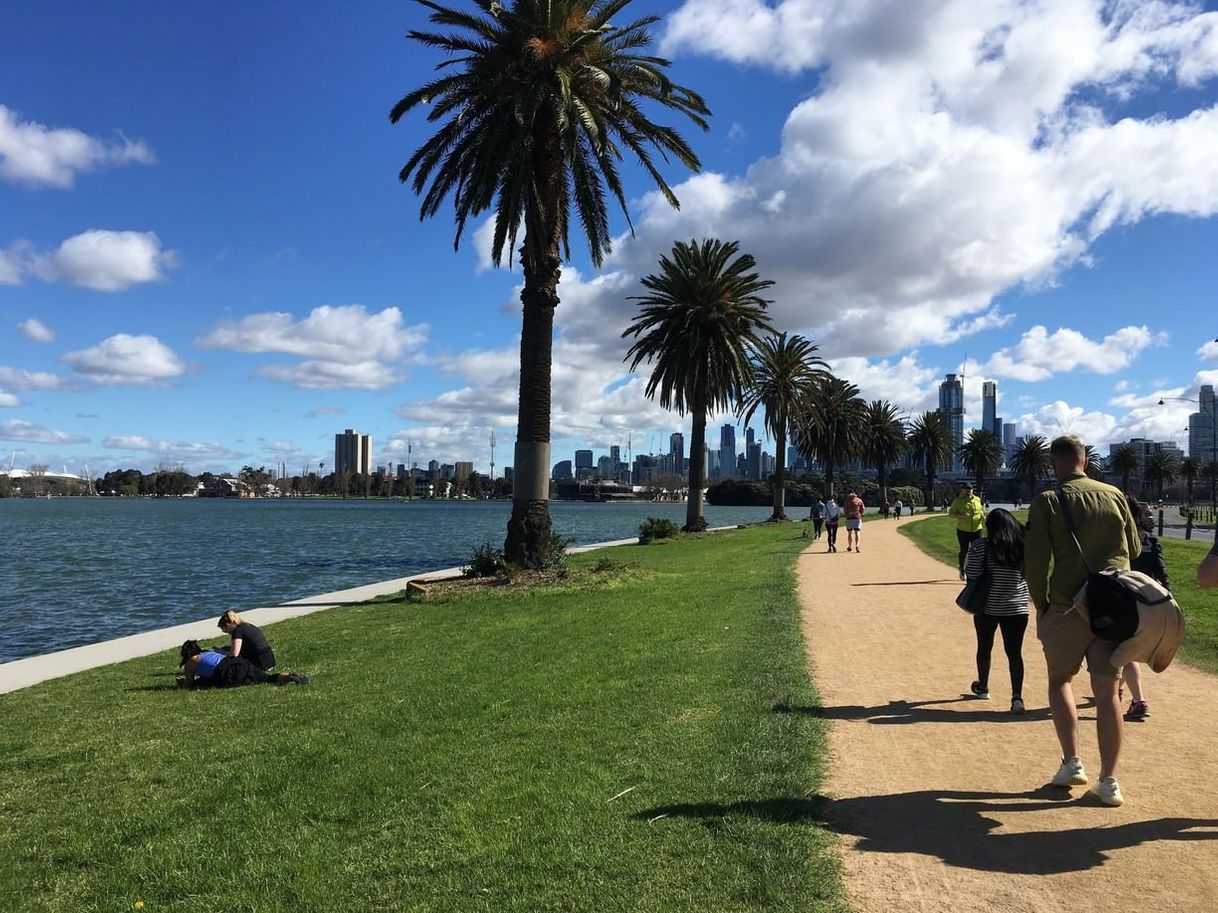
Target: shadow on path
{"points": [[925, 712], [955, 827], [942, 581]]}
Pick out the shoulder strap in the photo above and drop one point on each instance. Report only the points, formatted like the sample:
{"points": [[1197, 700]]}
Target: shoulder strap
{"points": [[1066, 515]]}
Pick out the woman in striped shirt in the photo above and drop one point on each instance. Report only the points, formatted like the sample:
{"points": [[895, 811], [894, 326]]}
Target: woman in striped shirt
{"points": [[1006, 605]]}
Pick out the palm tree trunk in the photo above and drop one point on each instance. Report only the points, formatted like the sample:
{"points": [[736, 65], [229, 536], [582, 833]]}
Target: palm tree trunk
{"points": [[780, 491], [881, 472], [930, 486], [695, 522], [828, 478]]}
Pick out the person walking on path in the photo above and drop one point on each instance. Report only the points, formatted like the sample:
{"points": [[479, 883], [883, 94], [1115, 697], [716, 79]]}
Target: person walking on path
{"points": [[1104, 531], [854, 510], [1006, 603], [833, 513], [969, 515], [896, 509], [817, 516], [1151, 563]]}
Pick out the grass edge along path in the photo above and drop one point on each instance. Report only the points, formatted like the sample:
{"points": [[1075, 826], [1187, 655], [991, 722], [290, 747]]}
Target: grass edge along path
{"points": [[462, 753], [936, 536]]}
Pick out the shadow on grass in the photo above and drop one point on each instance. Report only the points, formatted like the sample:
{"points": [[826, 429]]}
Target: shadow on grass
{"points": [[924, 712], [167, 687], [956, 827]]}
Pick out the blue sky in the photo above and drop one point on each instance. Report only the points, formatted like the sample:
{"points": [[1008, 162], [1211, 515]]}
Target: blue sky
{"points": [[203, 239]]}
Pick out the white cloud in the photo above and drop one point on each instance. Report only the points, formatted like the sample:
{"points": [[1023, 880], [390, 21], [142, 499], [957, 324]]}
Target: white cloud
{"points": [[342, 346], [36, 331], [1209, 351], [38, 155], [125, 359], [1040, 354], [17, 430], [8, 400], [106, 261], [21, 379], [12, 267], [319, 411], [173, 451]]}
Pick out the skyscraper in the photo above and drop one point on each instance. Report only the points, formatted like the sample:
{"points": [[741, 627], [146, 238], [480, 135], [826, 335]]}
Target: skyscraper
{"points": [[352, 453], [1201, 428], [583, 460], [727, 450], [951, 409], [989, 409], [676, 446]]}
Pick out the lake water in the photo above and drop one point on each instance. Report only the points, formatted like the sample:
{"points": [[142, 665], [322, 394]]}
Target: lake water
{"points": [[80, 570]]}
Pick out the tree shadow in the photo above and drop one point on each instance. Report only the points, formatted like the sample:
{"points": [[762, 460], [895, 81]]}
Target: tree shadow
{"points": [[954, 827]]}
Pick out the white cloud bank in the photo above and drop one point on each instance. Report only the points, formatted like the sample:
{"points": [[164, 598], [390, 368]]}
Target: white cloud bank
{"points": [[171, 451], [126, 359], [41, 156], [21, 379], [1040, 354], [17, 430], [340, 346], [8, 400], [106, 261]]}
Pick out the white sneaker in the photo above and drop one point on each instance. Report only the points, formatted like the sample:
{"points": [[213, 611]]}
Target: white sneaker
{"points": [[1108, 791], [1071, 773]]}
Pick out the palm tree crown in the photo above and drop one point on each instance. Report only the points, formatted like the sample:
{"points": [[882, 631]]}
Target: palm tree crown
{"points": [[785, 373], [830, 425], [537, 104], [930, 443], [1161, 469], [1030, 462], [981, 454], [883, 439], [700, 325], [1124, 459]]}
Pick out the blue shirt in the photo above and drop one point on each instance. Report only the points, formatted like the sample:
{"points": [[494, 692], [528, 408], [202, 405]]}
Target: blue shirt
{"points": [[207, 663]]}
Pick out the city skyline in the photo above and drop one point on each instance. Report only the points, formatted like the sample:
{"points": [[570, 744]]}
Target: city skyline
{"points": [[169, 295]]}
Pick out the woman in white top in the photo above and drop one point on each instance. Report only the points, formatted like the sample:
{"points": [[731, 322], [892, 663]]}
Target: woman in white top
{"points": [[1006, 605], [833, 513]]}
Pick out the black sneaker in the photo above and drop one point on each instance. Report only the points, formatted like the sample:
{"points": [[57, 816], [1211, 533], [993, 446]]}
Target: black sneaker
{"points": [[980, 690], [297, 679]]}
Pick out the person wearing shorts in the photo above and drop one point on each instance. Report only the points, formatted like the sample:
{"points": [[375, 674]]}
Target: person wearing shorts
{"points": [[1109, 538], [853, 509]]}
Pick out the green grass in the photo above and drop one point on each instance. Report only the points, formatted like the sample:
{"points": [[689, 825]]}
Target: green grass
{"points": [[937, 537], [457, 754]]}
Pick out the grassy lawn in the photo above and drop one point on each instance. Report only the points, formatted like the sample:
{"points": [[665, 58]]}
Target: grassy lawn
{"points": [[459, 754], [937, 537]]}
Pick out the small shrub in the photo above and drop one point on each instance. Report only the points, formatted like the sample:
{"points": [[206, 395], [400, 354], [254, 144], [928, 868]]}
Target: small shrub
{"points": [[486, 561], [556, 562], [657, 528], [605, 565]]}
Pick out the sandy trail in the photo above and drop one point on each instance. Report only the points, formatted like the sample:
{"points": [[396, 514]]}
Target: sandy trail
{"points": [[940, 797]]}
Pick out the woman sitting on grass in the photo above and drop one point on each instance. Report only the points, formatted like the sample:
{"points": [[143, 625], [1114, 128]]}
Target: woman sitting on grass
{"points": [[248, 641], [213, 669]]}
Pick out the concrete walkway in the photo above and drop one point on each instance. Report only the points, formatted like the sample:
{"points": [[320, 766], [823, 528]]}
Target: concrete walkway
{"points": [[22, 673]]}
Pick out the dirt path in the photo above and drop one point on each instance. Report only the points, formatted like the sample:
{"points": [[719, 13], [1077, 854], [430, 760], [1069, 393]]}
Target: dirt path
{"points": [[939, 797]]}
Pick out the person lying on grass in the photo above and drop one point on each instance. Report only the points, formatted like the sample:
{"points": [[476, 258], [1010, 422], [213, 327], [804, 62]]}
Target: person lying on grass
{"points": [[213, 669]]}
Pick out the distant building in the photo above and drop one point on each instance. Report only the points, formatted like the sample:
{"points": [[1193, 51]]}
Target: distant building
{"points": [[727, 450], [1201, 428], [446, 471], [676, 447], [1008, 441], [951, 410], [644, 469], [752, 469], [433, 469], [462, 470], [562, 471], [352, 453], [989, 410], [604, 468], [583, 460]]}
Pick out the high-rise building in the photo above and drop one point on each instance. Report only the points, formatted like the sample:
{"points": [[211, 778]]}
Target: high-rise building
{"points": [[676, 446], [352, 453], [1201, 428], [583, 460], [951, 409], [562, 470], [989, 409], [753, 462], [463, 469], [727, 450], [1008, 441], [712, 464]]}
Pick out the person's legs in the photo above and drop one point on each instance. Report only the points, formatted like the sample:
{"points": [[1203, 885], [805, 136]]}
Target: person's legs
{"points": [[962, 539], [1108, 717], [1065, 714], [1133, 678], [985, 626], [1013, 628], [817, 523], [832, 532]]}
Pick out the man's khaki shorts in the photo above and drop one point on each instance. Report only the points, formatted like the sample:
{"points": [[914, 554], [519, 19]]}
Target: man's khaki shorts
{"points": [[1066, 638]]}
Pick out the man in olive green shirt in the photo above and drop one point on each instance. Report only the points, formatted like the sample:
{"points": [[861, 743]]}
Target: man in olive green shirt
{"points": [[1108, 536], [969, 514]]}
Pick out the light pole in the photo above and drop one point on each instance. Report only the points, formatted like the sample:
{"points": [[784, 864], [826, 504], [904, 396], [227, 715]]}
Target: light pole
{"points": [[1213, 461]]}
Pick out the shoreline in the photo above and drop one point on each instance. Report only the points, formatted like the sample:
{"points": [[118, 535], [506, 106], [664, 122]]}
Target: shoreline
{"points": [[31, 670]]}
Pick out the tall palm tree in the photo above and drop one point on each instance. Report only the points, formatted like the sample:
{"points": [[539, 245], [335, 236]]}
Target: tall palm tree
{"points": [[930, 443], [981, 454], [1190, 471], [539, 101], [830, 425], [1095, 463], [785, 373], [1161, 469], [1030, 462], [883, 440], [701, 323], [1124, 459]]}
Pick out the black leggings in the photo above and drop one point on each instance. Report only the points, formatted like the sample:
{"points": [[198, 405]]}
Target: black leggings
{"points": [[1013, 628], [965, 539], [817, 523], [832, 527]]}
